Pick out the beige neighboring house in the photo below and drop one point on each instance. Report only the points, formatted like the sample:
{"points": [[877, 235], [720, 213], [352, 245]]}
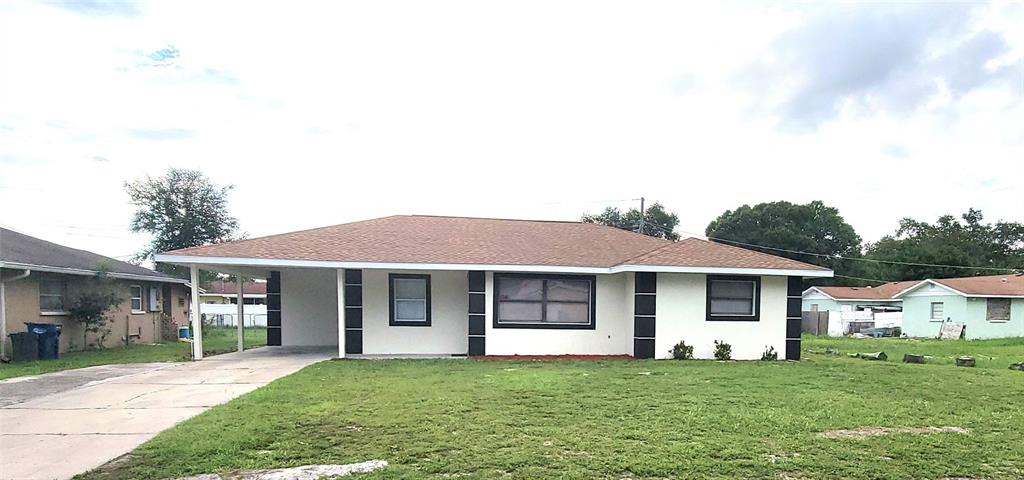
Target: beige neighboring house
{"points": [[39, 280]]}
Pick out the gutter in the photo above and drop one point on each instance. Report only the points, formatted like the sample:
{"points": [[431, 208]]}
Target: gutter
{"points": [[79, 271], [269, 262]]}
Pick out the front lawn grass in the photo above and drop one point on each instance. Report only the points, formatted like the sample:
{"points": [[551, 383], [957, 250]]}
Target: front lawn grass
{"points": [[215, 341], [638, 419]]}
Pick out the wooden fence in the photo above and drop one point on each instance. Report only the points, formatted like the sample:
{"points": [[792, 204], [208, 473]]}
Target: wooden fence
{"points": [[815, 323]]}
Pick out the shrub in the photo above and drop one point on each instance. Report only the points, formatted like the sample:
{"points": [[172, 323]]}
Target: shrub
{"points": [[723, 351], [769, 354], [682, 351], [897, 332]]}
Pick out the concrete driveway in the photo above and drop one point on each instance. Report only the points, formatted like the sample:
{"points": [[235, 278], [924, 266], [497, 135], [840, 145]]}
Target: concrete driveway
{"points": [[58, 425]]}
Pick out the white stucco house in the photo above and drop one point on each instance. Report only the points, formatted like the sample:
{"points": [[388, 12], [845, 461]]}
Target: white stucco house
{"points": [[406, 285]]}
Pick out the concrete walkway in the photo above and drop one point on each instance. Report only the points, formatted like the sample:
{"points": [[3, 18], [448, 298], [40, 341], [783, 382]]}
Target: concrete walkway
{"points": [[57, 425]]}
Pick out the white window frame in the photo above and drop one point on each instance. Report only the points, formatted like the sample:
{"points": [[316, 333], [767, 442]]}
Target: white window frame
{"points": [[942, 311], [63, 295], [132, 298]]}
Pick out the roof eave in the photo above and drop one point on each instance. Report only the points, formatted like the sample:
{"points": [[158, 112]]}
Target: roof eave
{"points": [[189, 260], [84, 272]]}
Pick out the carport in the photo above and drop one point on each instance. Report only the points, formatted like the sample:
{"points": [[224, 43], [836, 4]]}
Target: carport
{"points": [[313, 306]]}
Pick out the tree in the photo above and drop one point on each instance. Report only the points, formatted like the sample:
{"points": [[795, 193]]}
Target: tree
{"points": [[91, 306], [657, 222], [814, 228], [949, 241], [181, 209]]}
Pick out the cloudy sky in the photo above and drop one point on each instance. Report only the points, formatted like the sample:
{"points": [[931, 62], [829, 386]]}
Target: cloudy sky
{"points": [[325, 112]]}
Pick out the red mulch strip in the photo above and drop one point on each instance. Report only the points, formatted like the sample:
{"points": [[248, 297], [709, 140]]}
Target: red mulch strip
{"points": [[534, 358]]}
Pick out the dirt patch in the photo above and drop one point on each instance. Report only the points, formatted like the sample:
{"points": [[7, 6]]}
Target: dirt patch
{"points": [[863, 432], [553, 357]]}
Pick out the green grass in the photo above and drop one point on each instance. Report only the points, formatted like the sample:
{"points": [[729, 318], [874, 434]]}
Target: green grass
{"points": [[215, 341], [610, 420], [996, 353]]}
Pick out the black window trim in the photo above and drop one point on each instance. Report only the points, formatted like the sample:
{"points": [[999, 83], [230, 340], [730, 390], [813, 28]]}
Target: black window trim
{"points": [[497, 323], [756, 317], [391, 300]]}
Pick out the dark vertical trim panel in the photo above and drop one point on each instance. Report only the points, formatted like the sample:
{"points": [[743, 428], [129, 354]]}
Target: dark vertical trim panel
{"points": [[645, 301], [274, 309], [476, 290], [353, 311], [794, 294]]}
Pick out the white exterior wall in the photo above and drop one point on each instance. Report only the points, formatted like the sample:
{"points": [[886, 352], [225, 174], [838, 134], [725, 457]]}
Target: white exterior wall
{"points": [[681, 315], [309, 307], [613, 318], [448, 332]]}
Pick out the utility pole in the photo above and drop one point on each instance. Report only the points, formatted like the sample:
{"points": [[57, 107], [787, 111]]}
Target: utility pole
{"points": [[640, 229]]}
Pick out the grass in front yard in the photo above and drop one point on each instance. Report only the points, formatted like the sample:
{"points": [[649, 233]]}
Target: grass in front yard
{"points": [[608, 419], [995, 353], [215, 341]]}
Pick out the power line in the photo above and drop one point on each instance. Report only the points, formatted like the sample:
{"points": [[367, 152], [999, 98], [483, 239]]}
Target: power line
{"points": [[861, 278], [891, 262]]}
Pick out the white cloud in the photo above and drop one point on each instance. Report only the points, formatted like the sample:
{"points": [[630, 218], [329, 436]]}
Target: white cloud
{"points": [[322, 113]]}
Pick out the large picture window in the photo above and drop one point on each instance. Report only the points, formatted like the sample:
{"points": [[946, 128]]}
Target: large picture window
{"points": [[410, 300], [733, 298], [544, 301]]}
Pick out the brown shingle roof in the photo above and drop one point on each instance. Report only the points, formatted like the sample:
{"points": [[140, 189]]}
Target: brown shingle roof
{"points": [[881, 292], [18, 250], [489, 241], [458, 240], [694, 252], [1010, 285]]}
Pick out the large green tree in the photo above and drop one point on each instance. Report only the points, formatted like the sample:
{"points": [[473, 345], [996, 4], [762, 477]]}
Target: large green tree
{"points": [[966, 241], [657, 221], [182, 208], [784, 228]]}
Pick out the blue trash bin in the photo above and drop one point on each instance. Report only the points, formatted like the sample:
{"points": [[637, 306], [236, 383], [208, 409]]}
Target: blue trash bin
{"points": [[49, 339]]}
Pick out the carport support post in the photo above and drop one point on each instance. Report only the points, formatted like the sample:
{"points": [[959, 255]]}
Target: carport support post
{"points": [[241, 315], [197, 318], [341, 313]]}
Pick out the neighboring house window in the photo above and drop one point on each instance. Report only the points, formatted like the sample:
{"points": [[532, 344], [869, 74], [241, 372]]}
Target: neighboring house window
{"points": [[410, 300], [544, 301], [181, 301], [998, 310], [733, 298], [52, 292], [136, 297], [937, 308]]}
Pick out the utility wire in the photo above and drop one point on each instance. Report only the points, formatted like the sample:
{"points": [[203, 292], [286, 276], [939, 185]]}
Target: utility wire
{"points": [[860, 278], [891, 262]]}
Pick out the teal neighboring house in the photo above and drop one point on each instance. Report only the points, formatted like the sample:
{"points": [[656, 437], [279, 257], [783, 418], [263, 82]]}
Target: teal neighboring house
{"points": [[988, 306]]}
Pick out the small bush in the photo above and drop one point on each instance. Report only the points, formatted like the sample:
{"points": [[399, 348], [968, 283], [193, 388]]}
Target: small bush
{"points": [[770, 354], [723, 351], [897, 332], [682, 351]]}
